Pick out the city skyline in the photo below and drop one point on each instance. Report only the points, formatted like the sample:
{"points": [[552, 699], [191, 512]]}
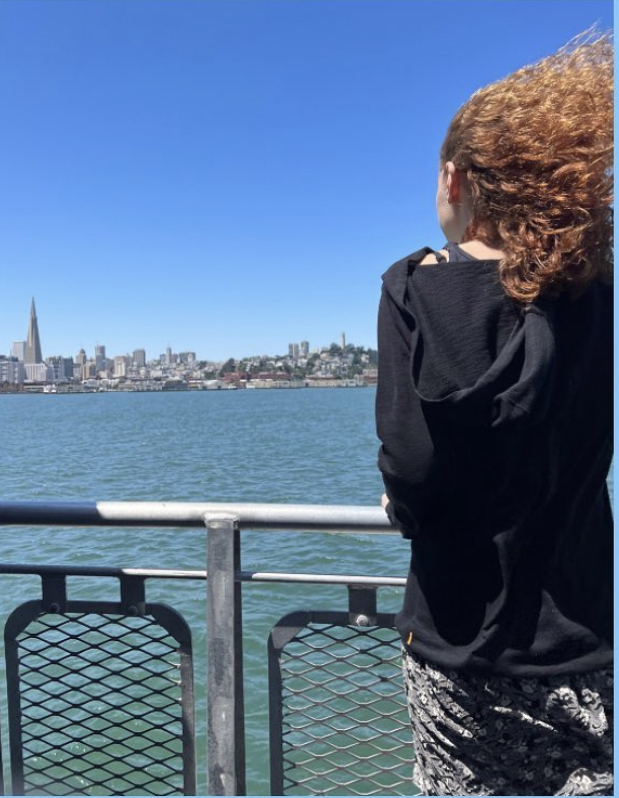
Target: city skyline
{"points": [[29, 351], [234, 175], [27, 370]]}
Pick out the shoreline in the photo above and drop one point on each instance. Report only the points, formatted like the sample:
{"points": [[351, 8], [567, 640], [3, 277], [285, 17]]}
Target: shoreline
{"points": [[37, 391]]}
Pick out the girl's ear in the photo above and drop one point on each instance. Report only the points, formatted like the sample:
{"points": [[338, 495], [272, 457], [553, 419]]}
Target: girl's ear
{"points": [[454, 184]]}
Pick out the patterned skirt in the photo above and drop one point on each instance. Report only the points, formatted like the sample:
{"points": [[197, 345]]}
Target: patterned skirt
{"points": [[510, 736]]}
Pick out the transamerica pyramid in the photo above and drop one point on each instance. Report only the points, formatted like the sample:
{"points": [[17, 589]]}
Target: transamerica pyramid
{"points": [[33, 344]]}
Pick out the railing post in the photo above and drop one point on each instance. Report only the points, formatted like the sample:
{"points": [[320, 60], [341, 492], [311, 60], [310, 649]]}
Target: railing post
{"points": [[226, 726]]}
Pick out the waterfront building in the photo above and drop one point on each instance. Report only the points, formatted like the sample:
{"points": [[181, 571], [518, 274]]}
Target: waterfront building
{"points": [[11, 370], [18, 350], [38, 372], [32, 353], [370, 376]]}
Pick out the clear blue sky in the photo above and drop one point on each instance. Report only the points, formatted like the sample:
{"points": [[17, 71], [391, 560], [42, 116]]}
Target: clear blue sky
{"points": [[229, 176]]}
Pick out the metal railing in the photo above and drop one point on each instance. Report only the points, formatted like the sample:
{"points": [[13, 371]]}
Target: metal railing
{"points": [[338, 717]]}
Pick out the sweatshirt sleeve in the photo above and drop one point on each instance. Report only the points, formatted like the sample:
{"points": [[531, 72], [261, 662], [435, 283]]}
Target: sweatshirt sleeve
{"points": [[406, 455]]}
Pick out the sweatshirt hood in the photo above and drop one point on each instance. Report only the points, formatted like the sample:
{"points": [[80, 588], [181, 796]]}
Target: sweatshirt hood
{"points": [[476, 357]]}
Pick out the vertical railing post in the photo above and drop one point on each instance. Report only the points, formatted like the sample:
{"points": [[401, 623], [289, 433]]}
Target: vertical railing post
{"points": [[226, 726]]}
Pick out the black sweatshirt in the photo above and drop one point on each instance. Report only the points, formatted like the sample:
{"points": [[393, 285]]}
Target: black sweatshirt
{"points": [[496, 426]]}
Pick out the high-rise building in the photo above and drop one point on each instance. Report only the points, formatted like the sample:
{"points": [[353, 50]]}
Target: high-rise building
{"points": [[89, 370], [139, 358], [100, 361], [32, 353], [68, 367], [304, 348], [18, 350], [343, 340], [81, 357], [122, 364], [57, 364]]}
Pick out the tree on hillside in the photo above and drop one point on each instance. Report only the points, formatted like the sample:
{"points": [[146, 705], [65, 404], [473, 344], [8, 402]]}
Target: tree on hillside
{"points": [[228, 366]]}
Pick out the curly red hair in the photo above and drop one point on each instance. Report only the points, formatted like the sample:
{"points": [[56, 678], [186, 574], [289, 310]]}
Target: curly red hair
{"points": [[537, 150]]}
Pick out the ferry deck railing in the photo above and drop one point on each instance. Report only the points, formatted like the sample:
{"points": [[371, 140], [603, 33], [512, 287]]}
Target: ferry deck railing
{"points": [[335, 689]]}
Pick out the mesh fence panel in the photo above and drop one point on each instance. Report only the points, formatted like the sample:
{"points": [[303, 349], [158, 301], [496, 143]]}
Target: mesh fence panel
{"points": [[344, 723], [100, 705]]}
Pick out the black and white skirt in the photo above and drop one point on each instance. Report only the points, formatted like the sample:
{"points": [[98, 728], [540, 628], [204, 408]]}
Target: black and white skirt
{"points": [[510, 736]]}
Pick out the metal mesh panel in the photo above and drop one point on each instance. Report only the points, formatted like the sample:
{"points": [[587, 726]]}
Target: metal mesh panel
{"points": [[100, 705], [342, 714]]}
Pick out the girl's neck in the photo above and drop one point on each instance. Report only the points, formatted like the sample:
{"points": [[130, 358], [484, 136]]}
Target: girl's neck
{"points": [[477, 249]]}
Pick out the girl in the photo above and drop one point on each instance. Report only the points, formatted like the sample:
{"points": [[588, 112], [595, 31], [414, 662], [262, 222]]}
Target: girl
{"points": [[495, 412]]}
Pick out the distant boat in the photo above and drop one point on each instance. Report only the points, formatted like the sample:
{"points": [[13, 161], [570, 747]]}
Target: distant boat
{"points": [[50, 389]]}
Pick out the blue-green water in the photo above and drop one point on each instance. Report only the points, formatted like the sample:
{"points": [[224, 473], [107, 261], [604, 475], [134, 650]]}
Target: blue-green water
{"points": [[296, 446]]}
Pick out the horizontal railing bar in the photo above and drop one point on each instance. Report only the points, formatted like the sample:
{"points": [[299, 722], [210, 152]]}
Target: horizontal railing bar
{"points": [[98, 570], [243, 576], [298, 517], [332, 579]]}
